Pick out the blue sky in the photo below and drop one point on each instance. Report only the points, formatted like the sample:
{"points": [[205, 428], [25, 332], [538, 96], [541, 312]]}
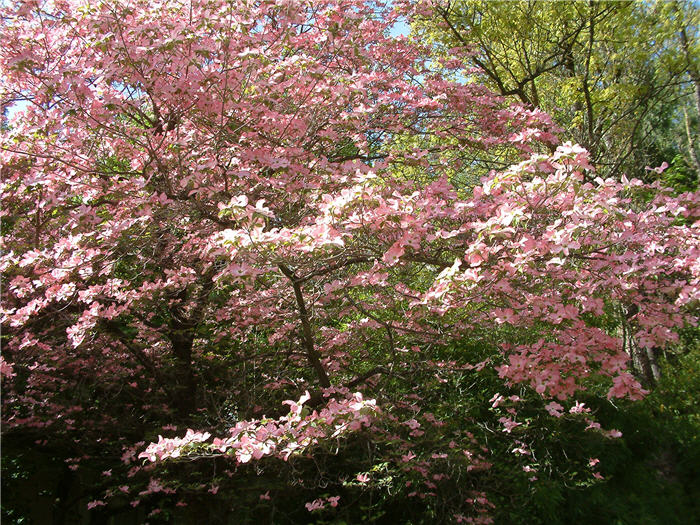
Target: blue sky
{"points": [[400, 28]]}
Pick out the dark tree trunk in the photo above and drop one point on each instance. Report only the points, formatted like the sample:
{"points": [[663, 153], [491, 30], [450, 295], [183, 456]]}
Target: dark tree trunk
{"points": [[184, 387]]}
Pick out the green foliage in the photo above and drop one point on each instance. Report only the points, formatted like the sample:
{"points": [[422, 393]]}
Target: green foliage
{"points": [[614, 75], [651, 473], [680, 176]]}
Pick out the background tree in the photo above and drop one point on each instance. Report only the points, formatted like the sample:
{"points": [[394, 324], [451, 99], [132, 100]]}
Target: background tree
{"points": [[616, 76]]}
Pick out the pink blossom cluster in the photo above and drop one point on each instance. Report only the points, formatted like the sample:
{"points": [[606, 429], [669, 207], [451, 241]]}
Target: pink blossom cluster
{"points": [[320, 503], [291, 434], [165, 184], [172, 447]]}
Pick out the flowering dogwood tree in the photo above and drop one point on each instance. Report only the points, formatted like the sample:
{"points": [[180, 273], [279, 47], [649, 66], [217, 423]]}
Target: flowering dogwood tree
{"points": [[210, 207]]}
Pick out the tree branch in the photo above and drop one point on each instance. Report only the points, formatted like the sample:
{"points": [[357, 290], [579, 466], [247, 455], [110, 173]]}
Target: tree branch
{"points": [[307, 334]]}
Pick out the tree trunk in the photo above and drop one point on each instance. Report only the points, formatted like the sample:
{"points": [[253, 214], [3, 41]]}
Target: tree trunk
{"points": [[695, 77], [184, 389]]}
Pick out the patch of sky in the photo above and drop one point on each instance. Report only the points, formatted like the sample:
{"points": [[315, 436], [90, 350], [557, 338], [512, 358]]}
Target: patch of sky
{"points": [[400, 28]]}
